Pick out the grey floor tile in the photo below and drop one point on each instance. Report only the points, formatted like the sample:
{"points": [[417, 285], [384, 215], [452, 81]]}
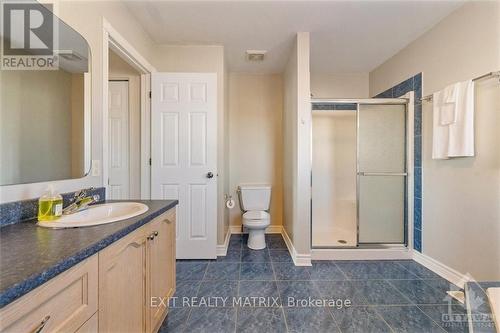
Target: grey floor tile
{"points": [[254, 320], [276, 242], [213, 320], [176, 320], [451, 318], [359, 319], [249, 255], [232, 255], [408, 319], [259, 293], [346, 291], [381, 292], [185, 291], [190, 271], [360, 270], [326, 271], [305, 320], [222, 271], [418, 270], [288, 271], [213, 289], [419, 292], [392, 270], [256, 271], [293, 292], [280, 256]]}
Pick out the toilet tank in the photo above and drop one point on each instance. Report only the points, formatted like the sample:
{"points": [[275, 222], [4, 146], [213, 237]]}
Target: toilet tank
{"points": [[255, 197]]}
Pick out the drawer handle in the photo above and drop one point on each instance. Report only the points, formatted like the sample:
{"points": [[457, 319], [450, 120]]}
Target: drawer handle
{"points": [[156, 233], [167, 221], [42, 324]]}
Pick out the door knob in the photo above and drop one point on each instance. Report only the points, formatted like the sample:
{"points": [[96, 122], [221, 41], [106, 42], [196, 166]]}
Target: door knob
{"points": [[210, 175]]}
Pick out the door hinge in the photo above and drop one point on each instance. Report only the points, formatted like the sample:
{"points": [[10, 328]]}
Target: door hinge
{"points": [[149, 94], [150, 161]]}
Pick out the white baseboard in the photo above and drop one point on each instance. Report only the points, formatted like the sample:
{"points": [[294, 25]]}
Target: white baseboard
{"points": [[298, 259], [221, 250], [441, 269], [361, 254]]}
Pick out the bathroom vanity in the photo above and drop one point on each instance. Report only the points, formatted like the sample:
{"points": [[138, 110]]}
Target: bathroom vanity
{"points": [[108, 278]]}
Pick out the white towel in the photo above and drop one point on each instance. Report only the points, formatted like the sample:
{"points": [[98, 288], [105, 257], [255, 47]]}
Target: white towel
{"points": [[461, 135], [440, 133], [448, 114], [453, 123]]}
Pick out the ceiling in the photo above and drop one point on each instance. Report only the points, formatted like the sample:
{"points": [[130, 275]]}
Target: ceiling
{"points": [[346, 36]]}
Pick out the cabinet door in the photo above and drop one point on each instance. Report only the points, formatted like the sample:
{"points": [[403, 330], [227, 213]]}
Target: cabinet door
{"points": [[162, 267], [122, 290]]}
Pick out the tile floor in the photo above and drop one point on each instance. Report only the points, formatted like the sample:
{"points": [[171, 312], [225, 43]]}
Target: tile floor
{"points": [[264, 292]]}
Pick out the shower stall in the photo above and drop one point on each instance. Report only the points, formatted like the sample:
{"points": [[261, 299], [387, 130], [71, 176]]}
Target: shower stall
{"points": [[359, 173]]}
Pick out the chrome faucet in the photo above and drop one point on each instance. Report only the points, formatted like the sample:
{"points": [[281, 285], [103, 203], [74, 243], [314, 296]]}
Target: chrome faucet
{"points": [[81, 201]]}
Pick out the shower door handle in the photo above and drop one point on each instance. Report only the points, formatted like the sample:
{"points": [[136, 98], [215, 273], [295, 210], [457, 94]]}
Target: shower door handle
{"points": [[382, 174]]}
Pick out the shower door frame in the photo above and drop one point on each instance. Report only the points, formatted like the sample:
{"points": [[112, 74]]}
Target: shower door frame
{"points": [[407, 103]]}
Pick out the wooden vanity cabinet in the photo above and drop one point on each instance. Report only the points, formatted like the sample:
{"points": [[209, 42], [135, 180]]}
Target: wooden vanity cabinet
{"points": [[136, 277], [123, 288]]}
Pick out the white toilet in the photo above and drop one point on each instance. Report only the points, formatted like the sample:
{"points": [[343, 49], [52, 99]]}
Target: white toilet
{"points": [[254, 202]]}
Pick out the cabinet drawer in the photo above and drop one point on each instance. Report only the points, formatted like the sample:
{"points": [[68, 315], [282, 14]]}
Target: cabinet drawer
{"points": [[61, 305]]}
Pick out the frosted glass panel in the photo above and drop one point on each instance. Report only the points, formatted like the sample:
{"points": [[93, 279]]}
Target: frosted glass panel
{"points": [[381, 209], [381, 138]]}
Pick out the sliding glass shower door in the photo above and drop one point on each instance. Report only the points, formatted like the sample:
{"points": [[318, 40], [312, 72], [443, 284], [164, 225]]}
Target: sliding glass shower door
{"points": [[381, 173]]}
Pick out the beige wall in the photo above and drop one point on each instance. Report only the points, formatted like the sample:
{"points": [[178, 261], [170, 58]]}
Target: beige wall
{"points": [[353, 85], [297, 158], [208, 58], [461, 210], [121, 70], [256, 106]]}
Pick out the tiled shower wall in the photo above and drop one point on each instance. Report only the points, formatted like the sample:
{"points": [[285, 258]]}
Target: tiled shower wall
{"points": [[413, 84]]}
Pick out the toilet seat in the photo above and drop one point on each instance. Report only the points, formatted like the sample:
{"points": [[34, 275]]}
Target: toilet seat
{"points": [[256, 215]]}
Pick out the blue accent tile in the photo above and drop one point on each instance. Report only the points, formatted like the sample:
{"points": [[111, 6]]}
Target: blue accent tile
{"points": [[407, 319], [256, 271], [418, 183], [385, 94], [417, 213], [265, 290], [377, 292], [212, 289], [280, 256], [344, 290], [453, 318], [175, 321], [222, 271], [288, 271], [417, 87], [296, 290], [249, 255], [356, 270], [190, 271], [305, 320], [326, 271], [402, 88], [417, 122], [213, 320], [419, 292], [260, 320], [359, 319], [417, 240], [417, 151]]}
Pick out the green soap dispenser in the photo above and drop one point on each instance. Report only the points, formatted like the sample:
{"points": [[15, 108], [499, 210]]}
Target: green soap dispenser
{"points": [[50, 205]]}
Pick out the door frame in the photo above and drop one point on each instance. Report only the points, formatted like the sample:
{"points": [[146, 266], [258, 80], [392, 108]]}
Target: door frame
{"points": [[379, 252], [112, 39]]}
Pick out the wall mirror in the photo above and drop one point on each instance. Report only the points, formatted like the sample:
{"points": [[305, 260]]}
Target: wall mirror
{"points": [[45, 97]]}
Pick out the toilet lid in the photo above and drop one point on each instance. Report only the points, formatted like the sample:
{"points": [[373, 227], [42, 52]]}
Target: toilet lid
{"points": [[256, 215]]}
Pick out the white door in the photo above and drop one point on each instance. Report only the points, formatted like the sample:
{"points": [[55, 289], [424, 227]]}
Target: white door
{"points": [[184, 156], [118, 140]]}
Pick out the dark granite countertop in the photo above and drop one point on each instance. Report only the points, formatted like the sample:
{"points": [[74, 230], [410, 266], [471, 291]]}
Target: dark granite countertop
{"points": [[32, 255]]}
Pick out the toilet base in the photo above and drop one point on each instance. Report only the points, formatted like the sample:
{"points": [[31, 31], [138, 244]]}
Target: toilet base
{"points": [[257, 239]]}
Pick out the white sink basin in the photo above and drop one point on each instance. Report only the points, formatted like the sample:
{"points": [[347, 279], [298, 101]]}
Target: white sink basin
{"points": [[98, 214]]}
